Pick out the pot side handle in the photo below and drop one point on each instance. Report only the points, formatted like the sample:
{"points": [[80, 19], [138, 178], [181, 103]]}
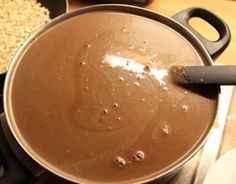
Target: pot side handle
{"points": [[214, 48]]}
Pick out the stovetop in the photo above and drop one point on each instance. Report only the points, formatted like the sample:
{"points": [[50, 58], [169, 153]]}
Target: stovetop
{"points": [[14, 170]]}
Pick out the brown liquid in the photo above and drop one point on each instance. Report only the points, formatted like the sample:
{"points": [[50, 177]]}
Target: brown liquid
{"points": [[89, 101]]}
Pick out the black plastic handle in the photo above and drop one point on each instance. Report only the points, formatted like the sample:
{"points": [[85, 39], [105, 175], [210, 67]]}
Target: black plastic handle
{"points": [[208, 75], [214, 48]]}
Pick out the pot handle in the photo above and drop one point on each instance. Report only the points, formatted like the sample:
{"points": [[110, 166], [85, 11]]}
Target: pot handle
{"points": [[214, 48]]}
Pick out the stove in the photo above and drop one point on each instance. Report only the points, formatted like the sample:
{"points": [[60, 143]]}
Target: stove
{"points": [[17, 167]]}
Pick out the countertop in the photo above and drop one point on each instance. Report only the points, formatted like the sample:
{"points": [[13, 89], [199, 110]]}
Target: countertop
{"points": [[226, 9]]}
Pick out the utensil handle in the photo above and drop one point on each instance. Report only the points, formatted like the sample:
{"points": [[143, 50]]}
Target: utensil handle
{"points": [[222, 75], [214, 48]]}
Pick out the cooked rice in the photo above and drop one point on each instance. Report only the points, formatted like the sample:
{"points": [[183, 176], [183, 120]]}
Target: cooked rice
{"points": [[18, 20]]}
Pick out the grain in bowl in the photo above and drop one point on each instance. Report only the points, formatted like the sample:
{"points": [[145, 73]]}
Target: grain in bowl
{"points": [[18, 20]]}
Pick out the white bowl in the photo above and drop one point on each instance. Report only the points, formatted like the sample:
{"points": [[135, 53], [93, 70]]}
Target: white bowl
{"points": [[224, 170]]}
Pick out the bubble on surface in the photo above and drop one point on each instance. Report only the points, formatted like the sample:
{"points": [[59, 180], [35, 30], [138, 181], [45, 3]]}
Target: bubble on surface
{"points": [[131, 46], [136, 84], [139, 156], [105, 111], [115, 105], [120, 162], [165, 129], [139, 76], [121, 78], [82, 63], [165, 88], [185, 107]]}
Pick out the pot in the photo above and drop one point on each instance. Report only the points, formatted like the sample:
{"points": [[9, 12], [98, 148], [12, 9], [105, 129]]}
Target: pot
{"points": [[99, 107]]}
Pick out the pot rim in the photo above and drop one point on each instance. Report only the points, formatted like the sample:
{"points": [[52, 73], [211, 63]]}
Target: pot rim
{"points": [[169, 22]]}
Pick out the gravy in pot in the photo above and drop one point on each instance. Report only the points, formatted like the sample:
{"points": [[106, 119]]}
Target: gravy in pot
{"points": [[92, 98]]}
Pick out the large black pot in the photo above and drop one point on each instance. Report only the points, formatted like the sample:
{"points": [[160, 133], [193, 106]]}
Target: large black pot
{"points": [[207, 51]]}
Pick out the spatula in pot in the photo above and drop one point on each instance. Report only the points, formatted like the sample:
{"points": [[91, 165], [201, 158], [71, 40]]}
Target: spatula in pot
{"points": [[222, 75]]}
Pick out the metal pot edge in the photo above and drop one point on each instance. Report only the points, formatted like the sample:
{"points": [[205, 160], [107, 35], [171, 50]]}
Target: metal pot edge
{"points": [[121, 8]]}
